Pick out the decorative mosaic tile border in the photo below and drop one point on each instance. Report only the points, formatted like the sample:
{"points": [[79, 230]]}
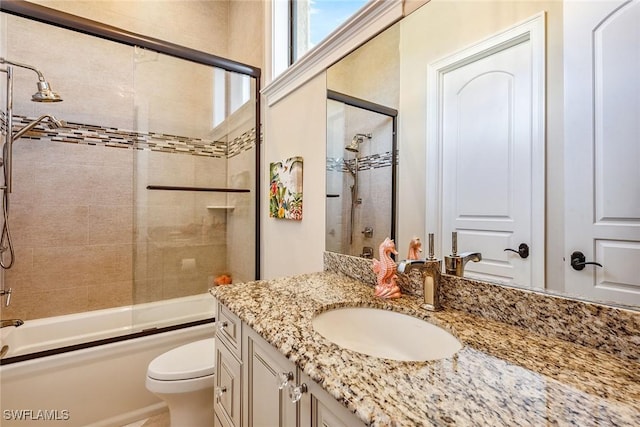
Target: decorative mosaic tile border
{"points": [[373, 161], [610, 329], [77, 133]]}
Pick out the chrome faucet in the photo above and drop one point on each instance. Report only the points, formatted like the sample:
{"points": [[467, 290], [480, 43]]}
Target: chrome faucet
{"points": [[454, 263], [430, 268], [11, 322]]}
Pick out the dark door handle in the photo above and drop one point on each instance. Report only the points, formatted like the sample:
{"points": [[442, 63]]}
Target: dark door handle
{"points": [[523, 250], [578, 261]]}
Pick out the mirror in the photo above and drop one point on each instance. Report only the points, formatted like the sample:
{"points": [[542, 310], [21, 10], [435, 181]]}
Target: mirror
{"points": [[361, 137], [405, 65], [361, 187], [361, 174]]}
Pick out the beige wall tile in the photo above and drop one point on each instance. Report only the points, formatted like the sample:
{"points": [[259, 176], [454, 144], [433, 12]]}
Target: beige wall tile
{"points": [[56, 302], [110, 294], [147, 291], [109, 263], [59, 268], [109, 225]]}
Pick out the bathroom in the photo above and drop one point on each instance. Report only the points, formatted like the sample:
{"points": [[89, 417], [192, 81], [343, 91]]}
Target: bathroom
{"points": [[289, 248]]}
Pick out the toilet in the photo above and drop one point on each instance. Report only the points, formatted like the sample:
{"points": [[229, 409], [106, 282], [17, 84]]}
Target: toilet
{"points": [[184, 378]]}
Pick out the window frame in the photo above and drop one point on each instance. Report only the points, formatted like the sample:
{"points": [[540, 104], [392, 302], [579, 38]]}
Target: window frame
{"points": [[374, 17]]}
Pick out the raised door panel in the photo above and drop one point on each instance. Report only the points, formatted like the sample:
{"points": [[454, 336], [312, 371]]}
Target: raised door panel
{"points": [[323, 417], [267, 405], [228, 397], [319, 409], [602, 153]]}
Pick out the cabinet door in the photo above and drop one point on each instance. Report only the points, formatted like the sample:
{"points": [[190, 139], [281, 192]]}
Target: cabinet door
{"points": [[602, 148], [267, 405], [228, 387], [319, 409]]}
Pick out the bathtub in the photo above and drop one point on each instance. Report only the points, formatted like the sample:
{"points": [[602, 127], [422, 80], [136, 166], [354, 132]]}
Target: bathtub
{"points": [[89, 369]]}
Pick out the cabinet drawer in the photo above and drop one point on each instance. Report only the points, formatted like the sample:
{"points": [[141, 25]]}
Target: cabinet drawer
{"points": [[227, 393], [231, 334]]}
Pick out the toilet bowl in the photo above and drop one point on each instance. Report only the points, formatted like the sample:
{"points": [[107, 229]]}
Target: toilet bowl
{"points": [[184, 378]]}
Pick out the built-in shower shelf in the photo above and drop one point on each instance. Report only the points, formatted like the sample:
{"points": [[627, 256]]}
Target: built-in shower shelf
{"points": [[229, 208]]}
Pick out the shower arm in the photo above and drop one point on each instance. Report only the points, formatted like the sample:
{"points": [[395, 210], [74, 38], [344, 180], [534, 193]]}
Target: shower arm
{"points": [[28, 67]]}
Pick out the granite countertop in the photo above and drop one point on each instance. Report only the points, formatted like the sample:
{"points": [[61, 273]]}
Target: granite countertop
{"points": [[503, 375]]}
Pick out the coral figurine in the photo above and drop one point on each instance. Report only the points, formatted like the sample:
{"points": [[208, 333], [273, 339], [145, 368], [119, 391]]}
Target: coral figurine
{"points": [[415, 247], [223, 279], [385, 270]]}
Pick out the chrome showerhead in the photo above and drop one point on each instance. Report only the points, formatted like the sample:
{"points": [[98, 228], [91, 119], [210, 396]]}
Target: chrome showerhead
{"points": [[55, 123], [44, 93], [354, 145]]}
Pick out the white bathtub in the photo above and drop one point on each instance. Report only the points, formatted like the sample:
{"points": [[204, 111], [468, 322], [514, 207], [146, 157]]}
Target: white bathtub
{"points": [[102, 385]]}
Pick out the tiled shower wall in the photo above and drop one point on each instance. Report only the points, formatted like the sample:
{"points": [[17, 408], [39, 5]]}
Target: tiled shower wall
{"points": [[83, 224], [88, 234], [71, 221], [374, 179]]}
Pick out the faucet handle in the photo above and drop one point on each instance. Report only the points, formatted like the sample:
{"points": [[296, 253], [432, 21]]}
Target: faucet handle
{"points": [[6, 292]]}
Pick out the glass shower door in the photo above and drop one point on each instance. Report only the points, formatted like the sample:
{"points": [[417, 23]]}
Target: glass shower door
{"points": [[194, 180]]}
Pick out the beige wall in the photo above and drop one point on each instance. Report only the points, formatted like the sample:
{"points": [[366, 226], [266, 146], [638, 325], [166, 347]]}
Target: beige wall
{"points": [[228, 28], [201, 25], [371, 72], [296, 126]]}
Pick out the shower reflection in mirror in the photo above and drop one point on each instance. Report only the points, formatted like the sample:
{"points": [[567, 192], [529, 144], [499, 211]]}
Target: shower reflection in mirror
{"points": [[361, 171]]}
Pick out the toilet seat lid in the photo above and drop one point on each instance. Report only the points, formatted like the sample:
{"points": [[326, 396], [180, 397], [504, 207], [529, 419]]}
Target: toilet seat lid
{"points": [[193, 360]]}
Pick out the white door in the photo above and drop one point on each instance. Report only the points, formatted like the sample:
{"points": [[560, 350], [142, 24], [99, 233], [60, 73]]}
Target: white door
{"points": [[492, 141], [602, 148]]}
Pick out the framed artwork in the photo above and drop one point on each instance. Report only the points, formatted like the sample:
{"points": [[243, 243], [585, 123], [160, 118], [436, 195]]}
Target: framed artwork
{"points": [[285, 189]]}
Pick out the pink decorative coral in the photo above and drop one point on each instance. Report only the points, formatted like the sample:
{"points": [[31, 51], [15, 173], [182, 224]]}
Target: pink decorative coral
{"points": [[385, 270]]}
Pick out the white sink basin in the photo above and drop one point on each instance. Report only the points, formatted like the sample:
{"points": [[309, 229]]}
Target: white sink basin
{"points": [[385, 334]]}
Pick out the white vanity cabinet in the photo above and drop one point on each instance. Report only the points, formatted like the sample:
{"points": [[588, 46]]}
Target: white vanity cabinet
{"points": [[254, 383]]}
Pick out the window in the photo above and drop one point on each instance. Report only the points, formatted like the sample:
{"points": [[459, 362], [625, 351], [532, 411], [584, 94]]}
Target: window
{"points": [[281, 75], [230, 92], [312, 21]]}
